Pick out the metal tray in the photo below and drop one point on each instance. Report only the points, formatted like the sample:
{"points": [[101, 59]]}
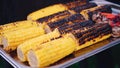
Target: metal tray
{"points": [[76, 56]]}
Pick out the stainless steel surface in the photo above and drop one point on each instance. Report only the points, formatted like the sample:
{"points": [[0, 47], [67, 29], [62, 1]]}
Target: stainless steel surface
{"points": [[75, 57]]}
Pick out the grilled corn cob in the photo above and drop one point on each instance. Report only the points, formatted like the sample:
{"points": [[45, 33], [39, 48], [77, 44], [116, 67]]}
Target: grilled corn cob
{"points": [[90, 35], [15, 25], [11, 40], [89, 12], [50, 52], [32, 43], [46, 11], [69, 20]]}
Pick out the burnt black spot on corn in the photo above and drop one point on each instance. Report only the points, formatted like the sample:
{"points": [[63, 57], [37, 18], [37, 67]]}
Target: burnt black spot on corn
{"points": [[66, 21], [78, 9], [54, 17], [89, 33], [57, 24], [75, 26], [76, 18]]}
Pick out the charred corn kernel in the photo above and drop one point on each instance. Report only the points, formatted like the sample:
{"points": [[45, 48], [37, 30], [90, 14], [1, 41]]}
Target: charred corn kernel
{"points": [[32, 43], [64, 22], [46, 11], [91, 42], [70, 28], [16, 25], [55, 17], [11, 40], [78, 9], [50, 52]]}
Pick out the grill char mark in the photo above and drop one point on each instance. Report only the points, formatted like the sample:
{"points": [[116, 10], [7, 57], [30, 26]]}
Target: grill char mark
{"points": [[58, 15], [66, 21], [71, 28], [78, 9], [99, 30]]}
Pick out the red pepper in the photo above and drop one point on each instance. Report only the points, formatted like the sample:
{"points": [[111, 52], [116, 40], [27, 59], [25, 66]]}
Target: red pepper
{"points": [[109, 15], [112, 17], [118, 23]]}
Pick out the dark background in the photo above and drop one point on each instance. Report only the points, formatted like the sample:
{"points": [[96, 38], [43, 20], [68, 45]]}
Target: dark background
{"points": [[15, 10]]}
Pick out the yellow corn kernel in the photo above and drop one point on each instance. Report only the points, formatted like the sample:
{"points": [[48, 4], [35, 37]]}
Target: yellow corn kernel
{"points": [[46, 12], [50, 52], [11, 40], [15, 26], [32, 43]]}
